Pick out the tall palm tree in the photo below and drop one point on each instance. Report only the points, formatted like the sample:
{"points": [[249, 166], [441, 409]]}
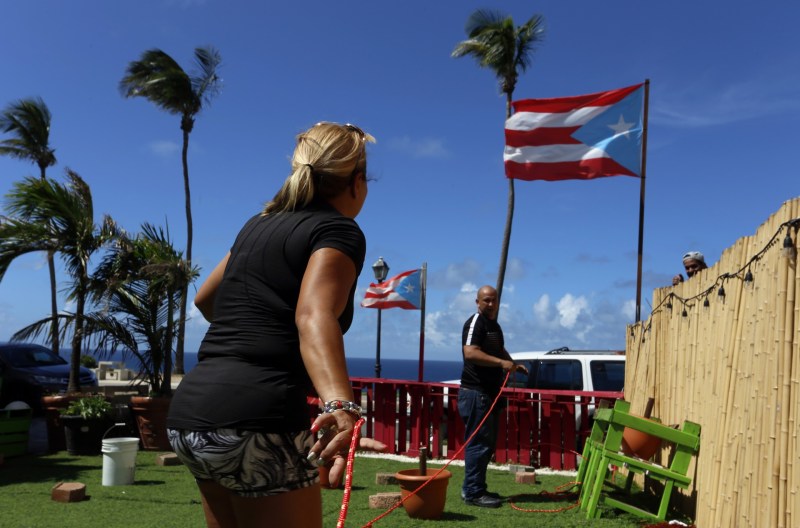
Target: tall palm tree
{"points": [[159, 79], [48, 215], [28, 121], [137, 290], [506, 49]]}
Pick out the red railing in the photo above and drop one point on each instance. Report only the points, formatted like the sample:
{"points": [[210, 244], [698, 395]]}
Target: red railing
{"points": [[537, 428]]}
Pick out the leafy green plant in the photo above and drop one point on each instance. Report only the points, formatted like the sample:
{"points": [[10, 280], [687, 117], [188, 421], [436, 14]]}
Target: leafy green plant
{"points": [[95, 406], [88, 361]]}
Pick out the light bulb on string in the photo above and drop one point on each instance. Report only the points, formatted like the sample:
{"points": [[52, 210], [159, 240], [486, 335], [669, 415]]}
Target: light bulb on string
{"points": [[788, 250], [684, 313], [706, 304], [748, 279], [721, 291]]}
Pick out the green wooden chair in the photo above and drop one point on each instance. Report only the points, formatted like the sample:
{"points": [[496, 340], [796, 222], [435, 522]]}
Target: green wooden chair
{"points": [[591, 454], [685, 445]]}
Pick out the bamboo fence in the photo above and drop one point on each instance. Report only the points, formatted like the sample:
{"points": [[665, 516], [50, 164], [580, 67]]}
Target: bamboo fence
{"points": [[724, 352]]}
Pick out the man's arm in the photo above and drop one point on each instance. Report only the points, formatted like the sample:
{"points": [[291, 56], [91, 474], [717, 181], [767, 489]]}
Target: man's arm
{"points": [[475, 355]]}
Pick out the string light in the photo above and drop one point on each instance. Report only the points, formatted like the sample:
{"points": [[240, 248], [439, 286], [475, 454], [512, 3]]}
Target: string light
{"points": [[788, 250]]}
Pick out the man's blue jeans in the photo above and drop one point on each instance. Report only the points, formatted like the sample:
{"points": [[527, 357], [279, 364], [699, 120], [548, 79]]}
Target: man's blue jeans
{"points": [[473, 406]]}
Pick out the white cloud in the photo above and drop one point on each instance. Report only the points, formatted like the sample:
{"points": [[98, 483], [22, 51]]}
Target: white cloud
{"points": [[699, 105], [629, 310], [541, 308], [164, 148], [515, 269], [460, 275], [419, 148], [569, 308]]}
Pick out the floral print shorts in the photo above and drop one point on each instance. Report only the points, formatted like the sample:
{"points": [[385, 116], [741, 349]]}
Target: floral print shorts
{"points": [[249, 463]]}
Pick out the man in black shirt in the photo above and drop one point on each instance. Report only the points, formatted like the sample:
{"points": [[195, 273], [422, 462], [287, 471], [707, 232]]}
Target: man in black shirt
{"points": [[485, 363]]}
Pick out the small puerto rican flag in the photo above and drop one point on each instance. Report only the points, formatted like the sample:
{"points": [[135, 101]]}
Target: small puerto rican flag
{"points": [[401, 291]]}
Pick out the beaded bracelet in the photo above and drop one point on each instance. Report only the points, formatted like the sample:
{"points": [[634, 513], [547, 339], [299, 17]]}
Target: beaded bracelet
{"points": [[341, 405]]}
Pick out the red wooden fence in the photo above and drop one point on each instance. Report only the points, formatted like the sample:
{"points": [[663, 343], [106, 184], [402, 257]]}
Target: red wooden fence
{"points": [[537, 428]]}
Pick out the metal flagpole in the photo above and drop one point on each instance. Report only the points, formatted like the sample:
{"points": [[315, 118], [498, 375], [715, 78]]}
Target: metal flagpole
{"points": [[424, 286], [641, 202]]}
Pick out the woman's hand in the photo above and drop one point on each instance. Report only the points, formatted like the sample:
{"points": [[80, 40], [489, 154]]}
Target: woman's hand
{"points": [[337, 433], [338, 466]]}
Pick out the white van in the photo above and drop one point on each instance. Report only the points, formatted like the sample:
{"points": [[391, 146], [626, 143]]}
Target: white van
{"points": [[565, 369], [574, 370]]}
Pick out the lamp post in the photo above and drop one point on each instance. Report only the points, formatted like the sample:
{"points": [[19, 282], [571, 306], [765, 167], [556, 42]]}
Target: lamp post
{"points": [[381, 270]]}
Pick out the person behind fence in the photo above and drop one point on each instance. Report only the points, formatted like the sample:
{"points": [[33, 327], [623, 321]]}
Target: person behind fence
{"points": [[486, 361], [693, 261], [279, 303]]}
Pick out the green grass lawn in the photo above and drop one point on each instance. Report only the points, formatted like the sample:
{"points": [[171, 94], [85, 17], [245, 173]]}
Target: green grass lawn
{"points": [[165, 497]]}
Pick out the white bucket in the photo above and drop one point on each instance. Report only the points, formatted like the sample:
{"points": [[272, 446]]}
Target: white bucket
{"points": [[119, 460]]}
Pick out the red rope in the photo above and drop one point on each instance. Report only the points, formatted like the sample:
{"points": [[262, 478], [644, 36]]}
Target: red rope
{"points": [[348, 476], [558, 494]]}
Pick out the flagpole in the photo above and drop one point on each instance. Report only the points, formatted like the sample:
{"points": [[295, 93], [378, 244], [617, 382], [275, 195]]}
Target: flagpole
{"points": [[641, 202], [424, 285]]}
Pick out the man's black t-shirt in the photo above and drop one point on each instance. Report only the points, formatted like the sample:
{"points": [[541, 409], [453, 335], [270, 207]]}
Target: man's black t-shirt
{"points": [[484, 333], [250, 374]]}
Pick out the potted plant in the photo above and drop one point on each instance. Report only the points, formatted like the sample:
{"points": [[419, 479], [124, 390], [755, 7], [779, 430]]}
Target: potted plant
{"points": [[86, 420], [137, 287], [423, 490]]}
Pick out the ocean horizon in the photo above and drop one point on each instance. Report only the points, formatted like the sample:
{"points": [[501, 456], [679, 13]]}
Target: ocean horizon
{"points": [[358, 367]]}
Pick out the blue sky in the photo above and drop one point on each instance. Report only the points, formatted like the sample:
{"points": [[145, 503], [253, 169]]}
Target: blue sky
{"points": [[724, 104]]}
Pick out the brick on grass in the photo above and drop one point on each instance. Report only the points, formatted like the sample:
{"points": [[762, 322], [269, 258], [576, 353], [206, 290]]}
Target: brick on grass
{"points": [[525, 477], [385, 479], [168, 459], [382, 501], [68, 492]]}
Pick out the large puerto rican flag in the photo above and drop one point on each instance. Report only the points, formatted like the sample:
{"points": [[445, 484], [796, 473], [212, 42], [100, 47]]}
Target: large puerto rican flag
{"points": [[576, 138], [401, 291]]}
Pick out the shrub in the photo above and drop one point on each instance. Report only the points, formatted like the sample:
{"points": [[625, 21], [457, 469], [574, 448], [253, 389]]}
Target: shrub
{"points": [[89, 407], [88, 361]]}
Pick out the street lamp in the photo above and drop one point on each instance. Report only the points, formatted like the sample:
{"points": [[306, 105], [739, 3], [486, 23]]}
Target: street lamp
{"points": [[381, 270]]}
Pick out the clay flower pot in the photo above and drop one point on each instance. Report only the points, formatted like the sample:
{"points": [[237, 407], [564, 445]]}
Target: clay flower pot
{"points": [[151, 418], [639, 444], [427, 503], [53, 404]]}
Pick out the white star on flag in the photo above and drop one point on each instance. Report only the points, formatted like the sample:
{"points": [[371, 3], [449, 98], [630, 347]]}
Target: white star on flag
{"points": [[621, 128]]}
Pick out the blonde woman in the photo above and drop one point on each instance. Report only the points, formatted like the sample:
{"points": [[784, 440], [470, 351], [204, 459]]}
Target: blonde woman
{"points": [[279, 304]]}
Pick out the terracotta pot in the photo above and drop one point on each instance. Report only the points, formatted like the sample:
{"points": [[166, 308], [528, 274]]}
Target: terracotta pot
{"points": [[56, 440], [427, 503], [639, 444], [151, 418]]}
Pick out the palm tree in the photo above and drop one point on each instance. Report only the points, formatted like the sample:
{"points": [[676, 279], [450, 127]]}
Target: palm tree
{"points": [[506, 49], [137, 289], [28, 120], [159, 79], [45, 214]]}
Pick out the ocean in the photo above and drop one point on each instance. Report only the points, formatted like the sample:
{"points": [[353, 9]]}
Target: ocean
{"points": [[402, 369]]}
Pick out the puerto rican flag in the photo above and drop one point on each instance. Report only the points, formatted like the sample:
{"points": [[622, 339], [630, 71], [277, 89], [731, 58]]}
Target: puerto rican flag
{"points": [[576, 138], [401, 291]]}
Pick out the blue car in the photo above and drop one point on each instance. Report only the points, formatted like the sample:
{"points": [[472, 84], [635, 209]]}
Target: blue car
{"points": [[29, 371]]}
